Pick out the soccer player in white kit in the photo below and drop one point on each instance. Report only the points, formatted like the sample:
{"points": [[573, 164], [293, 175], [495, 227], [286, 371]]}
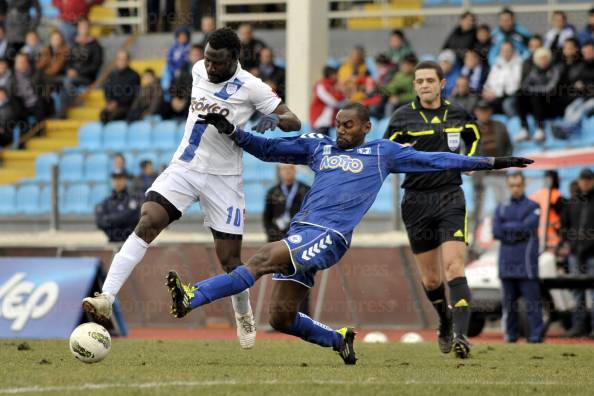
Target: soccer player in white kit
{"points": [[206, 167]]}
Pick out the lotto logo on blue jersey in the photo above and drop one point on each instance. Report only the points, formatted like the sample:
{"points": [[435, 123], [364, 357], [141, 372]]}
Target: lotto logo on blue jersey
{"points": [[345, 162]]}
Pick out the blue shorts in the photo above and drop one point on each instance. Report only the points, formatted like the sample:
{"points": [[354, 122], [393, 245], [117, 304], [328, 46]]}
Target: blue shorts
{"points": [[312, 248]]}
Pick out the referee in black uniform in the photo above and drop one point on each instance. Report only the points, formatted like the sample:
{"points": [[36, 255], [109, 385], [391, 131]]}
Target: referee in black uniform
{"points": [[434, 208]]}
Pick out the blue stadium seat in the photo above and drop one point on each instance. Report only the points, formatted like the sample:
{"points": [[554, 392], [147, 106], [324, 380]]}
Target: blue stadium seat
{"points": [[71, 167], [139, 135], [89, 136], [45, 199], [77, 199], [130, 158], [383, 203], [165, 158], [7, 200], [144, 155], [255, 194], [181, 129], [99, 192], [379, 129], [27, 199], [115, 135], [97, 167], [43, 166], [165, 135], [255, 170]]}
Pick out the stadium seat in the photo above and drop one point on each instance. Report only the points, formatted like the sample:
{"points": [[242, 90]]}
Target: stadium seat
{"points": [[43, 166], [45, 199], [255, 170], [139, 135], [144, 155], [164, 158], [165, 135], [27, 199], [89, 136], [130, 158], [115, 135], [77, 199], [71, 167], [181, 129], [255, 194], [97, 167], [99, 192], [7, 200], [384, 203]]}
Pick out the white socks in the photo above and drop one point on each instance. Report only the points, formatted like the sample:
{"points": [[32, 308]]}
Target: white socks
{"points": [[241, 302], [123, 264]]}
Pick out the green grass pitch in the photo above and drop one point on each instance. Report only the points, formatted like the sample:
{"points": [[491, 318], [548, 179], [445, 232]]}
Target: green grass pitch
{"points": [[136, 367]]}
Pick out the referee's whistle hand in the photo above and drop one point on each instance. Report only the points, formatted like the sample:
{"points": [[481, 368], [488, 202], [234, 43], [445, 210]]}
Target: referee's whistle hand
{"points": [[511, 162]]}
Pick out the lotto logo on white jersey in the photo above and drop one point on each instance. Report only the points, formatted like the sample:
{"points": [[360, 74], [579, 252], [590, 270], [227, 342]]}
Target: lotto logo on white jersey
{"points": [[345, 162], [21, 300]]}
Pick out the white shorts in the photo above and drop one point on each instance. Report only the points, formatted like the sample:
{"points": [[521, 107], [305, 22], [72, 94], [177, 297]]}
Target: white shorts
{"points": [[221, 196]]}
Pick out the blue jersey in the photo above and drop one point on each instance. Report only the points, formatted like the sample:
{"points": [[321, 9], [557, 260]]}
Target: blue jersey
{"points": [[347, 182]]}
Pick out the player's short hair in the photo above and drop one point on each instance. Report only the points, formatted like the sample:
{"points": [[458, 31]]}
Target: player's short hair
{"points": [[507, 10], [410, 59], [198, 46], [562, 13], [484, 26], [329, 71], [517, 174], [430, 65], [362, 111], [225, 38]]}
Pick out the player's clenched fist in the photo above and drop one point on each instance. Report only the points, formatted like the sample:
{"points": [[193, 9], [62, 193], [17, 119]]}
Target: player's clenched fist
{"points": [[218, 121]]}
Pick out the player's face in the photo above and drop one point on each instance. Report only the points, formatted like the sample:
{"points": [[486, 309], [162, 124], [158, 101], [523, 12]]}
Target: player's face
{"points": [[427, 85], [220, 64], [350, 129]]}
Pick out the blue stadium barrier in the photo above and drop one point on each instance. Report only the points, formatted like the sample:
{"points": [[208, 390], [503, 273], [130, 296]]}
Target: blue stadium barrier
{"points": [[43, 166], [71, 167], [89, 136], [140, 135], [115, 135], [27, 199], [97, 167], [76, 199], [7, 200]]}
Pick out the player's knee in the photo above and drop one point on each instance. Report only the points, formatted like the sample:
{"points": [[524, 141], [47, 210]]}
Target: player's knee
{"points": [[281, 321], [149, 225], [454, 268], [431, 282]]}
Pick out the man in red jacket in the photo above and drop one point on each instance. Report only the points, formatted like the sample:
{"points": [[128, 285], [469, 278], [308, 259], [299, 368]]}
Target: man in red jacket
{"points": [[327, 100], [71, 11]]}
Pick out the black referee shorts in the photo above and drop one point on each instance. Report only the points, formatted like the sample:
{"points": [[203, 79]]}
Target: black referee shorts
{"points": [[432, 218]]}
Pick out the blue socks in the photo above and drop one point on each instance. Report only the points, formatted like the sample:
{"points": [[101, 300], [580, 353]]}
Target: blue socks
{"points": [[221, 286], [309, 330]]}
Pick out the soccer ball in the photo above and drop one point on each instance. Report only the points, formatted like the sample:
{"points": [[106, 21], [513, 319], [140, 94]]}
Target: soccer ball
{"points": [[375, 337], [411, 338], [90, 343]]}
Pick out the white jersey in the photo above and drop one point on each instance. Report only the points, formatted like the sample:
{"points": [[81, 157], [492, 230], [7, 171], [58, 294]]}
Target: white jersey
{"points": [[203, 149]]}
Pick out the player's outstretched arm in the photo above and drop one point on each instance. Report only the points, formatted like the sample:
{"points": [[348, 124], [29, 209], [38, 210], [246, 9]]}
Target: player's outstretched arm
{"points": [[408, 160], [288, 150], [282, 117]]}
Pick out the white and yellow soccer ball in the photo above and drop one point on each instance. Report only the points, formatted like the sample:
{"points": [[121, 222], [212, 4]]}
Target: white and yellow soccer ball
{"points": [[411, 338], [375, 337], [90, 342]]}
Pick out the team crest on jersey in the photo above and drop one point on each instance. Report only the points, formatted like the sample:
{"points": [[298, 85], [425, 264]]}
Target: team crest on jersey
{"points": [[364, 150], [231, 88], [295, 238], [345, 162], [327, 149], [453, 141]]}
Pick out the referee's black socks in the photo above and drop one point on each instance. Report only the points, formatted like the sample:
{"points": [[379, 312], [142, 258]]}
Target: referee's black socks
{"points": [[439, 301], [460, 295]]}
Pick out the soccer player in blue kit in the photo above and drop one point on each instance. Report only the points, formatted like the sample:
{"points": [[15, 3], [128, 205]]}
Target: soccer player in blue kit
{"points": [[348, 175]]}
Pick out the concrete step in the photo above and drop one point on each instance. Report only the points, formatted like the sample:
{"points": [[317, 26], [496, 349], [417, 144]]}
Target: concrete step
{"points": [[9, 176]]}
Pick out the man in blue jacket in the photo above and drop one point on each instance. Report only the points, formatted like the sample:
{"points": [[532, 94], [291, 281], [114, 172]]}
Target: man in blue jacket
{"points": [[516, 226]]}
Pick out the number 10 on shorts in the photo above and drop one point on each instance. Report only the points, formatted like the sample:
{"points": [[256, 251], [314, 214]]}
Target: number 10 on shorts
{"points": [[236, 219]]}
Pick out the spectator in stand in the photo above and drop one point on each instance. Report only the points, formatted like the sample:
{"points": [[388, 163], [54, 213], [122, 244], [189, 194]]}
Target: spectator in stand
{"points": [[463, 37], [587, 34], [463, 95], [250, 47], [33, 46], [515, 224], [400, 90], [551, 204], [352, 75], [51, 68], [3, 42], [451, 71], [327, 100], [181, 88], [269, 72], [72, 11], [118, 214], [534, 43], [118, 162], [147, 176], [177, 56], [537, 90], [120, 88], [482, 44], [559, 32], [201, 9], [207, 26], [577, 228], [582, 84], [3, 11], [399, 47], [385, 69], [24, 88], [149, 98], [508, 30], [19, 21], [8, 118], [86, 58], [475, 70], [154, 16], [570, 62], [504, 80], [5, 75]]}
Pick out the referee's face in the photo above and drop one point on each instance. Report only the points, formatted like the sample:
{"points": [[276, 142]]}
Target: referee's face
{"points": [[427, 85], [350, 129]]}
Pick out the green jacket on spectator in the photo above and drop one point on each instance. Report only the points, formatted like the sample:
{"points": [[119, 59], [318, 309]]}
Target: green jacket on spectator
{"points": [[401, 86]]}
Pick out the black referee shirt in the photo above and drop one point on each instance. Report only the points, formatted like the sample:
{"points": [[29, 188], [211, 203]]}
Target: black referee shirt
{"points": [[443, 129]]}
